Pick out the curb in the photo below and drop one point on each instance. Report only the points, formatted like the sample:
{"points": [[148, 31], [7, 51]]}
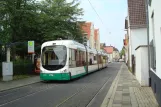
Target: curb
{"points": [[18, 86], [108, 100]]}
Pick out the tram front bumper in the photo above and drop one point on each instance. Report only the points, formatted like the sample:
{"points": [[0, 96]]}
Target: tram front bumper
{"points": [[54, 76]]}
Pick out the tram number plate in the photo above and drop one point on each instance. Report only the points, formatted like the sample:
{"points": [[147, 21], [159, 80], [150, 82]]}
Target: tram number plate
{"points": [[51, 74]]}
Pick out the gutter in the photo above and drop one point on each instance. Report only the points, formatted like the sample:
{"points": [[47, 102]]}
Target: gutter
{"points": [[147, 21]]}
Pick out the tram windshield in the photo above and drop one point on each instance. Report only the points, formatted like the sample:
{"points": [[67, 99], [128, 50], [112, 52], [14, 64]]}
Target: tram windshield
{"points": [[54, 57]]}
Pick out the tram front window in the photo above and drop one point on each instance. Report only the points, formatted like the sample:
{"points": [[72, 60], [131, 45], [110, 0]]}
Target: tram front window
{"points": [[54, 57]]}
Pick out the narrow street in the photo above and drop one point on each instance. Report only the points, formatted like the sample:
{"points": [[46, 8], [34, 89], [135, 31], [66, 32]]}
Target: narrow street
{"points": [[87, 91]]}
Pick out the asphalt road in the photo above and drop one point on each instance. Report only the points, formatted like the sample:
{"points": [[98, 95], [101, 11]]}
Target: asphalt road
{"points": [[87, 91]]}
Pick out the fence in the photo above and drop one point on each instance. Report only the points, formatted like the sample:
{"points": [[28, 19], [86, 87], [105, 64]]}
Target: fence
{"points": [[22, 61]]}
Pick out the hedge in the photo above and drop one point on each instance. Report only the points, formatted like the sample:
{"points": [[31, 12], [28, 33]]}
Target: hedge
{"points": [[21, 69]]}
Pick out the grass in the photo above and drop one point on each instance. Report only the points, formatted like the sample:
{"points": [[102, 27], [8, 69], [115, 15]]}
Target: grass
{"points": [[16, 77], [130, 69]]}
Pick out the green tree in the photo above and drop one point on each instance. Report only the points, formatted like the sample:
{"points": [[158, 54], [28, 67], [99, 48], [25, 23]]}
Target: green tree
{"points": [[60, 19], [122, 52], [23, 20]]}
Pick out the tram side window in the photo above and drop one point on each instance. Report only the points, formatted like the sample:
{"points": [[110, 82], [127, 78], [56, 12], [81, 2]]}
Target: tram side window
{"points": [[100, 59], [95, 59], [91, 58], [77, 58], [104, 61], [84, 58], [80, 58], [72, 58]]}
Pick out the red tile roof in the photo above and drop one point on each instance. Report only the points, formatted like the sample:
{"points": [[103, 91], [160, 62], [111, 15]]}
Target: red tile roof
{"points": [[109, 49], [137, 13], [96, 34], [86, 27]]}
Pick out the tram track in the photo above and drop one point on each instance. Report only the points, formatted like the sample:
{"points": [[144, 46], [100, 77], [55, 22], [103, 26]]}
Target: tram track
{"points": [[96, 93], [101, 88], [30, 93], [87, 91], [33, 91], [82, 89]]}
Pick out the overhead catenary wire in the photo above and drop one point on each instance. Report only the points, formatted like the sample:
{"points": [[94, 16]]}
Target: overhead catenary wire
{"points": [[96, 13], [109, 33]]}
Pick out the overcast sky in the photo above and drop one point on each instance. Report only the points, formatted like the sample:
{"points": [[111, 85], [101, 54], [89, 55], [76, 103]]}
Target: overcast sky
{"points": [[112, 14]]}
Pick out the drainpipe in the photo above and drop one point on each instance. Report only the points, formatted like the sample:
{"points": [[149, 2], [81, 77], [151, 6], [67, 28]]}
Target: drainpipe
{"points": [[147, 22]]}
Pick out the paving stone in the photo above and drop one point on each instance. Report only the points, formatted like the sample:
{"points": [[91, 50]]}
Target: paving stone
{"points": [[116, 105], [125, 87], [119, 84], [125, 94], [125, 90], [126, 98], [130, 94], [126, 103], [119, 88], [126, 106], [117, 102], [118, 92], [144, 96]]}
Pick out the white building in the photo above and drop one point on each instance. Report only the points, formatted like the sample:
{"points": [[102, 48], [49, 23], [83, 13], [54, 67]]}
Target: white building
{"points": [[115, 54], [136, 26], [155, 46]]}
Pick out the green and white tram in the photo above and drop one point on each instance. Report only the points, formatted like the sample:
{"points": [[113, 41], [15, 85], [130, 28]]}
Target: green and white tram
{"points": [[67, 59]]}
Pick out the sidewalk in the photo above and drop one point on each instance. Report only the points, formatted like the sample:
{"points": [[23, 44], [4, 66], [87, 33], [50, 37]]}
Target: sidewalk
{"points": [[125, 91], [18, 83]]}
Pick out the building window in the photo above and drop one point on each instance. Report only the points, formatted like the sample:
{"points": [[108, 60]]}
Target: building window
{"points": [[150, 2]]}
